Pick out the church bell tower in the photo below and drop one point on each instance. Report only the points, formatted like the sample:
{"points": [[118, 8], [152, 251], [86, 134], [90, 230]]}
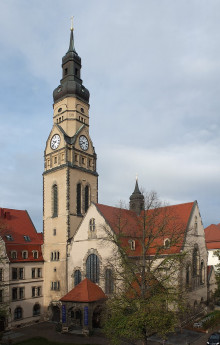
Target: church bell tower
{"points": [[70, 179]]}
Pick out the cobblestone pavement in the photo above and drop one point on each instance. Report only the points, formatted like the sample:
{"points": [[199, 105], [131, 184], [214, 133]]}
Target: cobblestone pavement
{"points": [[47, 330]]}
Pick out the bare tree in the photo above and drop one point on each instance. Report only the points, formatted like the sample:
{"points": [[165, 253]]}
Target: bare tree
{"points": [[147, 263]]}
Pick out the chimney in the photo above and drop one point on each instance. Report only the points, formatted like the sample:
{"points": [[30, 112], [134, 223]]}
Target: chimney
{"points": [[7, 215], [2, 212]]}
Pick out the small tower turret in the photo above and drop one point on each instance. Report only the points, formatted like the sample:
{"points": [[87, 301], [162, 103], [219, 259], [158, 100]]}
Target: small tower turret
{"points": [[136, 199]]}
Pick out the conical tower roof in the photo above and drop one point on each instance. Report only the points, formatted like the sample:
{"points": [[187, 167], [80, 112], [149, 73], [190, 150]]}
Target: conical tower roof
{"points": [[136, 199]]}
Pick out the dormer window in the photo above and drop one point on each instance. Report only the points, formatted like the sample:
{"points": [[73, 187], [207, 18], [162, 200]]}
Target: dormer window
{"points": [[167, 243], [14, 254], [35, 254], [25, 254], [132, 244], [27, 238], [9, 237]]}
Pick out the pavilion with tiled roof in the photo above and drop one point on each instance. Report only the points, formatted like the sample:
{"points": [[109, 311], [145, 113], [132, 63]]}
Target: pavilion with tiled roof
{"points": [[81, 307]]}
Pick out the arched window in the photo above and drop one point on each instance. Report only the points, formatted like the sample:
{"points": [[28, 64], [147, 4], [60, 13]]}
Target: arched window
{"points": [[196, 225], [35, 254], [202, 272], [78, 198], [86, 198], [195, 261], [24, 254], [55, 201], [92, 268], [109, 282], [18, 313], [92, 224], [77, 277], [132, 244], [187, 275], [167, 243], [36, 309]]}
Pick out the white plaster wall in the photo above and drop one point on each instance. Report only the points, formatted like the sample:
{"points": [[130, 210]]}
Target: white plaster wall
{"points": [[83, 245], [28, 301], [212, 259]]}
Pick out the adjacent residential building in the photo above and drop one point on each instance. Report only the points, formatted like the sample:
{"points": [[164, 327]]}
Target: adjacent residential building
{"points": [[21, 269], [212, 238]]}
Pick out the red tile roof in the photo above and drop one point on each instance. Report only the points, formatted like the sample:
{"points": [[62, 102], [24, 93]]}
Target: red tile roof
{"points": [[161, 223], [86, 291], [212, 236], [17, 224]]}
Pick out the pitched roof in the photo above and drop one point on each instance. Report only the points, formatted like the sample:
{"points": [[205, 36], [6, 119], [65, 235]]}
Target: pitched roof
{"points": [[86, 291], [19, 234], [161, 223], [212, 236]]}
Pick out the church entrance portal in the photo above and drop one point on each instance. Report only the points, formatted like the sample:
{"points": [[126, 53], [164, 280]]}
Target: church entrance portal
{"points": [[55, 314], [75, 318]]}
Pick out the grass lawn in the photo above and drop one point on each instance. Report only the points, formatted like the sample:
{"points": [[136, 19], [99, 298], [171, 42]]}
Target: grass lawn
{"points": [[40, 341]]}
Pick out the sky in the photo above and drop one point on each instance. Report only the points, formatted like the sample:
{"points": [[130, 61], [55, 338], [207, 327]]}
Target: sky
{"points": [[153, 71]]}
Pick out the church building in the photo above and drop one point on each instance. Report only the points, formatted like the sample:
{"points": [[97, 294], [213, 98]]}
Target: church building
{"points": [[77, 257]]}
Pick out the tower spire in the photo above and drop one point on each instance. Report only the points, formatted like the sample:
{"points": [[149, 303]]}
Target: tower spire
{"points": [[136, 199], [71, 82]]}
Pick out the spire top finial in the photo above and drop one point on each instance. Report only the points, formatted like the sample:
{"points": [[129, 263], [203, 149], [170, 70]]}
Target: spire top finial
{"points": [[71, 28], [71, 46]]}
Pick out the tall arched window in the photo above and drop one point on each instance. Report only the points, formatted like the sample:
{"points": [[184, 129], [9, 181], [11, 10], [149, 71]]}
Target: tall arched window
{"points": [[109, 282], [187, 275], [77, 277], [202, 272], [195, 261], [86, 198], [55, 201], [78, 198], [92, 268]]}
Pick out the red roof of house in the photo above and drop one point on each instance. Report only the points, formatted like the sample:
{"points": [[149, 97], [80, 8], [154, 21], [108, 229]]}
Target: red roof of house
{"points": [[86, 291], [212, 236], [15, 226], [161, 223]]}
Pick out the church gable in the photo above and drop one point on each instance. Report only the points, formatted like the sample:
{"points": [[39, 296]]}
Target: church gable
{"points": [[82, 141], [92, 226], [195, 230], [53, 142]]}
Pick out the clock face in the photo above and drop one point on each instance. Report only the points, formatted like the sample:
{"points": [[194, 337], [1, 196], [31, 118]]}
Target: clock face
{"points": [[55, 141], [83, 142]]}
